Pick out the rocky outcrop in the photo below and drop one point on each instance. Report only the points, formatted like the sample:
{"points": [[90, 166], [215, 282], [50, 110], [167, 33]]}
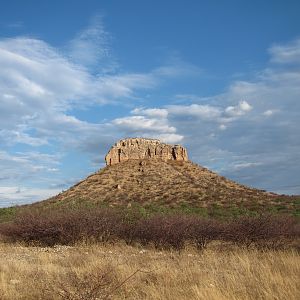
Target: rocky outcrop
{"points": [[140, 148]]}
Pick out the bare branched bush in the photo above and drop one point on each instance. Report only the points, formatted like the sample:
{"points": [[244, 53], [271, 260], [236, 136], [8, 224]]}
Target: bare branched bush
{"points": [[204, 231], [95, 284], [163, 231], [264, 231], [63, 227]]}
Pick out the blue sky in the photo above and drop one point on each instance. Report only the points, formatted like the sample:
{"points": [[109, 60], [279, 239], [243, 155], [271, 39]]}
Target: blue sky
{"points": [[220, 77]]}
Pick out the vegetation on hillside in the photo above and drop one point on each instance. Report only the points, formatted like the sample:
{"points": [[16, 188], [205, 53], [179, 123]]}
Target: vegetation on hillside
{"points": [[170, 184]]}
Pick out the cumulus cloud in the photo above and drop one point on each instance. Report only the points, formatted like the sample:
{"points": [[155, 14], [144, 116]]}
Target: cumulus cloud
{"points": [[210, 112], [141, 123], [156, 122], [152, 123], [238, 110]]}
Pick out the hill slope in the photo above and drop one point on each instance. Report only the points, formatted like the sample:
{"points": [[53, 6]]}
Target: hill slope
{"points": [[168, 183]]}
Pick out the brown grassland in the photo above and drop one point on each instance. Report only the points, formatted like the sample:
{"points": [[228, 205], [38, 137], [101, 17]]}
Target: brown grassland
{"points": [[124, 272]]}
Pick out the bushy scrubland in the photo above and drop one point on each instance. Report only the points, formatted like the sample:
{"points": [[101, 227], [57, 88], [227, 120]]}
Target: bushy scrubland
{"points": [[163, 231]]}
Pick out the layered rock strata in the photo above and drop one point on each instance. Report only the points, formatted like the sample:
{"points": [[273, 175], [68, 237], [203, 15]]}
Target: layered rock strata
{"points": [[141, 148]]}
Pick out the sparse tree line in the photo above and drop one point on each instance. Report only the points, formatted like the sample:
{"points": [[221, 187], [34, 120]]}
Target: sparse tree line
{"points": [[173, 231]]}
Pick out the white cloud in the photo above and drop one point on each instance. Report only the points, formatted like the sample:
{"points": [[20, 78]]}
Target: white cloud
{"points": [[244, 106], [288, 53], [151, 112], [177, 68], [92, 47], [22, 165], [11, 137], [210, 112], [269, 112], [206, 112], [238, 110], [25, 176], [141, 123], [243, 165], [172, 138], [16, 195], [149, 123], [156, 122]]}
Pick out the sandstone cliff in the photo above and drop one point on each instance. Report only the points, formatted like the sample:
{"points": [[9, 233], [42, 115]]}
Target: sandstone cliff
{"points": [[140, 148]]}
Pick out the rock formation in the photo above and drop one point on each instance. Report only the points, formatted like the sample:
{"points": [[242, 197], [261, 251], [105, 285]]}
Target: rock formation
{"points": [[140, 148]]}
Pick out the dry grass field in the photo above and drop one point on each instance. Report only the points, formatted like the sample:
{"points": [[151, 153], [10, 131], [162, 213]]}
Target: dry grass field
{"points": [[124, 272]]}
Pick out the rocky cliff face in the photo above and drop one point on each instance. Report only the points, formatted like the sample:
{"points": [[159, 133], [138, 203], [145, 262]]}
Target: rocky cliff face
{"points": [[140, 148]]}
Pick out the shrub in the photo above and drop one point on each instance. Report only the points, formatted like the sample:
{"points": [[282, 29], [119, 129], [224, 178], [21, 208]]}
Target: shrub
{"points": [[63, 227], [264, 231], [173, 231], [164, 231], [203, 231]]}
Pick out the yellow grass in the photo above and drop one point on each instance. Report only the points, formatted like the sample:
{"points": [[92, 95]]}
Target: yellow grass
{"points": [[123, 272]]}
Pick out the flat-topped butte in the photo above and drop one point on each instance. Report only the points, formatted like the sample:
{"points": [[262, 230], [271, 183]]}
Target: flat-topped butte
{"points": [[142, 148]]}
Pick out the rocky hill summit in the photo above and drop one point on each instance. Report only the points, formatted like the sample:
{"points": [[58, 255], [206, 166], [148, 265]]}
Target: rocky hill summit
{"points": [[151, 173], [141, 148]]}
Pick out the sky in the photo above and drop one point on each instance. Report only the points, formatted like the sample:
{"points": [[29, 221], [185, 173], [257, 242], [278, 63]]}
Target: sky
{"points": [[221, 78]]}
